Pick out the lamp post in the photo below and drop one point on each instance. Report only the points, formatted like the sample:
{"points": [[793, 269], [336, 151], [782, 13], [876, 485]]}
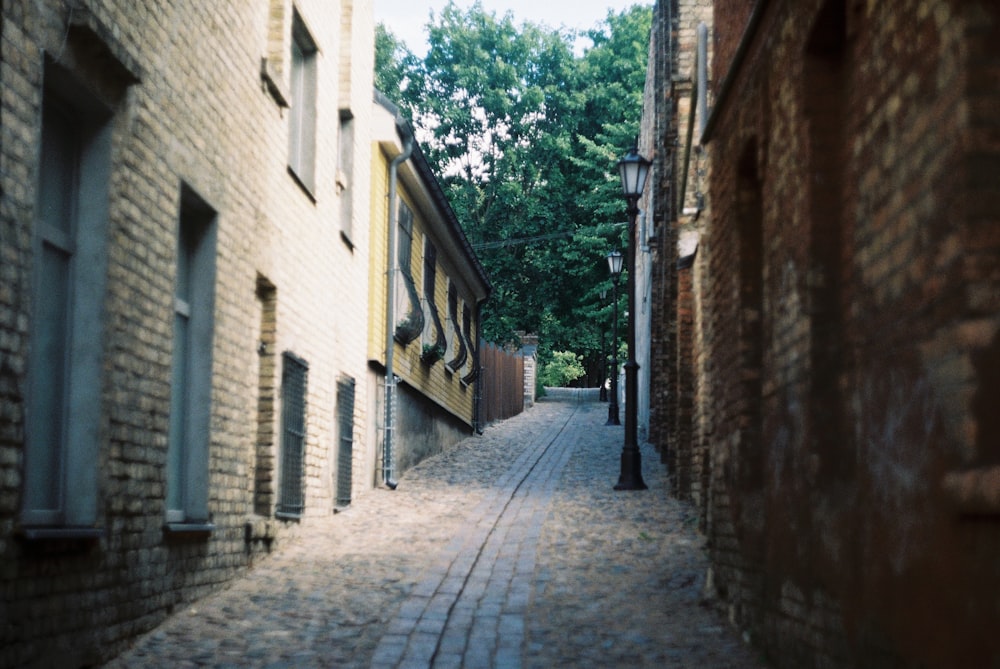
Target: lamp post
{"points": [[633, 169], [615, 266], [603, 395]]}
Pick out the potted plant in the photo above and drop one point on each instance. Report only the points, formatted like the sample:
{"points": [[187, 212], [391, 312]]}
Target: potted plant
{"points": [[409, 328], [432, 353]]}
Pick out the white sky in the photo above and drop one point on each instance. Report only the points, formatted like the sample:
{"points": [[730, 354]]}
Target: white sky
{"points": [[406, 18]]}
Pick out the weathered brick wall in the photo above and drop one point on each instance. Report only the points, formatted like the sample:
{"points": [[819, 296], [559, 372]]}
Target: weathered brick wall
{"points": [[194, 112], [659, 135], [673, 339], [730, 18], [850, 324]]}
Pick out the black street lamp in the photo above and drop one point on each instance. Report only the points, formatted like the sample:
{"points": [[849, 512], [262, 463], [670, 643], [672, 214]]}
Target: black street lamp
{"points": [[634, 169], [604, 358], [615, 266]]}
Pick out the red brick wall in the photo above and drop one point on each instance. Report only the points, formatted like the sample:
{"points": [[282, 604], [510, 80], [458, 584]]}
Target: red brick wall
{"points": [[682, 462], [730, 19], [851, 344]]}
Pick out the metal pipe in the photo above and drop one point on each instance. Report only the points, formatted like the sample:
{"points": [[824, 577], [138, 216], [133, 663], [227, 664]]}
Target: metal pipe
{"points": [[699, 100], [388, 456], [692, 110], [477, 397], [701, 70]]}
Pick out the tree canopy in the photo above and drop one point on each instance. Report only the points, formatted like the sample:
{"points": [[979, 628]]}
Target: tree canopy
{"points": [[524, 134]]}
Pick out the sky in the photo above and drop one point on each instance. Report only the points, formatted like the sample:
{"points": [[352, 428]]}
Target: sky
{"points": [[406, 18]]}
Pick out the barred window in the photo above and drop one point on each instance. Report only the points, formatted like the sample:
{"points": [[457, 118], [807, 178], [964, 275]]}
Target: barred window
{"points": [[291, 495], [345, 445]]}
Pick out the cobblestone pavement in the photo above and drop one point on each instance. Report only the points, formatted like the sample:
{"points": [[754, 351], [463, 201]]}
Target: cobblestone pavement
{"points": [[508, 550]]}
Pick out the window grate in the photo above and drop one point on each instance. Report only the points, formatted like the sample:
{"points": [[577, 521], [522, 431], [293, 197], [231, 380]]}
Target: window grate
{"points": [[291, 498], [345, 450]]}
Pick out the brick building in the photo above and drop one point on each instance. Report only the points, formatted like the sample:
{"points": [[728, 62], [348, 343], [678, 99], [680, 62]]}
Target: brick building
{"points": [[184, 203], [674, 112], [844, 338]]}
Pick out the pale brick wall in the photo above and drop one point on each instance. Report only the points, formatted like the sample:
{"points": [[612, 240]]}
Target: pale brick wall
{"points": [[198, 114]]}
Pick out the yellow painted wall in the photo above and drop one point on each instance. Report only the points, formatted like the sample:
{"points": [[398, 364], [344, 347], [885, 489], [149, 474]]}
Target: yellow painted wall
{"points": [[433, 381]]}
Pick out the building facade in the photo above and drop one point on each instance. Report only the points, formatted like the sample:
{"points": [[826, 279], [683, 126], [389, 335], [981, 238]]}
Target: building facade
{"points": [[426, 291], [845, 326], [184, 202]]}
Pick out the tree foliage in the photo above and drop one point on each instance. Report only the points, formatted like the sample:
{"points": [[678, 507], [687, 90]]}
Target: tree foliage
{"points": [[564, 368], [524, 135]]}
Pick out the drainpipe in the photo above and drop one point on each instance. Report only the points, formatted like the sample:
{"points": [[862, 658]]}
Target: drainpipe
{"points": [[388, 456], [477, 396]]}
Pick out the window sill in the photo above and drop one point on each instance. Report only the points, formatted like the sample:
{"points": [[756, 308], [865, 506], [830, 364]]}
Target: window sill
{"points": [[272, 83], [302, 184], [188, 529], [286, 515], [61, 533]]}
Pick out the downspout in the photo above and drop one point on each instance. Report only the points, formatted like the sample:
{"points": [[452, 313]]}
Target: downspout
{"points": [[477, 396], [388, 456]]}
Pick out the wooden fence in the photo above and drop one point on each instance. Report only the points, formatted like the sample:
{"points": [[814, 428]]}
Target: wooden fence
{"points": [[502, 383]]}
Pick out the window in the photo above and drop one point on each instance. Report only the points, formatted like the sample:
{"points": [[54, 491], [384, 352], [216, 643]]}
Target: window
{"points": [[435, 340], [302, 119], [825, 93], [460, 350], [191, 377], [63, 416], [345, 429], [472, 343], [345, 174], [291, 498], [750, 274], [410, 318]]}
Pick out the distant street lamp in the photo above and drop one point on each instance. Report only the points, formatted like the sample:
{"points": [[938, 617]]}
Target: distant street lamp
{"points": [[603, 397], [615, 266], [634, 169]]}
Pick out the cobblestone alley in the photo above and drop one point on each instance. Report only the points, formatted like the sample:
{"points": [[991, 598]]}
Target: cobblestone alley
{"points": [[510, 550]]}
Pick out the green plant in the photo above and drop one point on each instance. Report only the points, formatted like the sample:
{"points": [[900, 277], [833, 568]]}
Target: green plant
{"points": [[432, 353], [564, 367], [409, 327]]}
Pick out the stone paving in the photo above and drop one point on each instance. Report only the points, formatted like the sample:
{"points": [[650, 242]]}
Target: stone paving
{"points": [[510, 550]]}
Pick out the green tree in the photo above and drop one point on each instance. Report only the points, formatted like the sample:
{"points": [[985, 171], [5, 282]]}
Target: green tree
{"points": [[525, 136], [564, 368], [394, 63]]}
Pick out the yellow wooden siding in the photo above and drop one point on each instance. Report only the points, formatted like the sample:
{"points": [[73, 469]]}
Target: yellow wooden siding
{"points": [[433, 381]]}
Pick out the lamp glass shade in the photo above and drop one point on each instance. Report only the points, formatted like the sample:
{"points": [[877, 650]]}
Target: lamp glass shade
{"points": [[634, 169], [615, 260]]}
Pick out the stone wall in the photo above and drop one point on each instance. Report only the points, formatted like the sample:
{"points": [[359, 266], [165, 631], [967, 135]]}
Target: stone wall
{"points": [[178, 117]]}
